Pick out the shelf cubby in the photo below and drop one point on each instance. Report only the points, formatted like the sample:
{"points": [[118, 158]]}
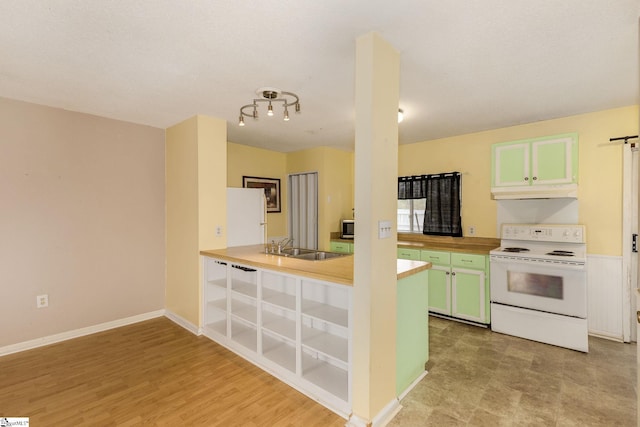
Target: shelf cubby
{"points": [[281, 352], [244, 335], [243, 310], [331, 345], [325, 375], [278, 298], [216, 271], [326, 312], [219, 326], [279, 324], [279, 289], [244, 288], [215, 311]]}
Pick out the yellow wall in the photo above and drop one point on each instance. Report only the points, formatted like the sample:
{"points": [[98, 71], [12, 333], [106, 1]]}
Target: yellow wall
{"points": [[600, 179], [195, 202], [335, 181], [243, 160], [335, 185]]}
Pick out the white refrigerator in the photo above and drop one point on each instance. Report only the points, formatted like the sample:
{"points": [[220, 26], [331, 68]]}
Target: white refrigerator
{"points": [[246, 216]]}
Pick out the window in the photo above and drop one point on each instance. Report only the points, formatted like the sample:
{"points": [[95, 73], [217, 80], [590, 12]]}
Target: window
{"points": [[411, 215], [430, 204]]}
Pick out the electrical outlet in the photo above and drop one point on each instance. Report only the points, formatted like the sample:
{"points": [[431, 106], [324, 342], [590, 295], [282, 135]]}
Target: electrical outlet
{"points": [[218, 231], [42, 301], [472, 230]]}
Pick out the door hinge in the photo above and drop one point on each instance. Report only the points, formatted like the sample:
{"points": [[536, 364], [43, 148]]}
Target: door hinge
{"points": [[634, 243]]}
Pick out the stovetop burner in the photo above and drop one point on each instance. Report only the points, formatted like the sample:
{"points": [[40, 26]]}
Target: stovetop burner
{"points": [[557, 245]]}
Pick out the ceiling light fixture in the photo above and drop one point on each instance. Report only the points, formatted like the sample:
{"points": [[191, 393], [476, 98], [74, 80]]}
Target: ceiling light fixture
{"points": [[270, 95], [400, 116]]}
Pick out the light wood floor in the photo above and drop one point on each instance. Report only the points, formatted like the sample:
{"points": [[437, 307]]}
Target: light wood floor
{"points": [[150, 373]]}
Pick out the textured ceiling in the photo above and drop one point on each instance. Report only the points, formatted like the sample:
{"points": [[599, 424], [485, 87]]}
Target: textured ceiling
{"points": [[466, 65]]}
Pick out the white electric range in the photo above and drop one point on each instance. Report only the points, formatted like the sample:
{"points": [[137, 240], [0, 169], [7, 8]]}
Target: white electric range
{"points": [[539, 284]]}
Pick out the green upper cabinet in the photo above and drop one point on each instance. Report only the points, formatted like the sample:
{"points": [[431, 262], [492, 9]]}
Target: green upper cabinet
{"points": [[546, 161]]}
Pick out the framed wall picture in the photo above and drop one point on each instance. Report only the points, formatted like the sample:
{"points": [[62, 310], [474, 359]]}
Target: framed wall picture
{"points": [[271, 188]]}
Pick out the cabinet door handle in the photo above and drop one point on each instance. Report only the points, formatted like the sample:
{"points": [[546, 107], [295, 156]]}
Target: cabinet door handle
{"points": [[526, 178], [447, 273], [535, 177], [453, 273]]}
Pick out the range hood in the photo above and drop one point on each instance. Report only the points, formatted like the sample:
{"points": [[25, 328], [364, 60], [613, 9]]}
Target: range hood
{"points": [[565, 191]]}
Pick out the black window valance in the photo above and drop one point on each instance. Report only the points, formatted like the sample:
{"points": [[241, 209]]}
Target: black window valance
{"points": [[411, 187], [415, 186]]}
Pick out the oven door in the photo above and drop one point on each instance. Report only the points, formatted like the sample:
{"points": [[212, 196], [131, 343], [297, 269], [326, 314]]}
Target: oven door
{"points": [[539, 286]]}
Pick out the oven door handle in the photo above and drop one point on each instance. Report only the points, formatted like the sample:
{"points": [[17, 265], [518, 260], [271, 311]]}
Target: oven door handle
{"points": [[564, 265]]}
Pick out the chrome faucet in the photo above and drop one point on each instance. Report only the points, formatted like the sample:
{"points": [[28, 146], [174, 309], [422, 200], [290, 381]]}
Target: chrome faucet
{"points": [[283, 243]]}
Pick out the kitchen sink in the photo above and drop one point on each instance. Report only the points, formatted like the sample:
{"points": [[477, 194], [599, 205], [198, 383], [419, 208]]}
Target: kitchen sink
{"points": [[308, 254], [295, 252], [319, 255]]}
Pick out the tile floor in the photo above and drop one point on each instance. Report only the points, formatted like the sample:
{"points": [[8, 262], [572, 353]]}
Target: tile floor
{"points": [[480, 378]]}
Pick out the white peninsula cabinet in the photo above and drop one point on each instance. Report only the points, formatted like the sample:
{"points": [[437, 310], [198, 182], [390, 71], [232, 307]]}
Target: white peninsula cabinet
{"points": [[296, 328]]}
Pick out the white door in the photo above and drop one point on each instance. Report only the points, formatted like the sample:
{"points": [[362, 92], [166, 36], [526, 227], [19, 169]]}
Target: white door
{"points": [[629, 229], [635, 267]]}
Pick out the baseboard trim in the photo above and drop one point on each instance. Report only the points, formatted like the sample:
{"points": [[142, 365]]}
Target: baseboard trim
{"points": [[606, 336], [181, 321], [412, 385], [76, 333], [380, 420]]}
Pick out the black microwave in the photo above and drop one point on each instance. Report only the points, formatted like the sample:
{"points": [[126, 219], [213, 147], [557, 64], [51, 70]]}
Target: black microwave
{"points": [[347, 228]]}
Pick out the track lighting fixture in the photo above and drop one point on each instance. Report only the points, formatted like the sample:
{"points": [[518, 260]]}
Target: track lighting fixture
{"points": [[270, 95]]}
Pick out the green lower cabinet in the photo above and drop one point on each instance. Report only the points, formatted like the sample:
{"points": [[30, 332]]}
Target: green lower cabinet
{"points": [[468, 294], [412, 333], [342, 247], [459, 285], [440, 289], [413, 254]]}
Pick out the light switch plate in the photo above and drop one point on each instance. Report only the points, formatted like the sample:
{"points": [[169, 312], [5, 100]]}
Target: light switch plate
{"points": [[384, 229]]}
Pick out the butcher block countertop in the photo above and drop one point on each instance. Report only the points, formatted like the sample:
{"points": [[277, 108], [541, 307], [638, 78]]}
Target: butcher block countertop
{"points": [[469, 245], [336, 270]]}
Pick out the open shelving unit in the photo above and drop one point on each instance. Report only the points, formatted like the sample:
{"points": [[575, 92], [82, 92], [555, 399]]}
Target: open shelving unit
{"points": [[325, 336], [215, 296], [296, 328]]}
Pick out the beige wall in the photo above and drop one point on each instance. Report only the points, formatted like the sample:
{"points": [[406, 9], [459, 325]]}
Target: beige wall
{"points": [[243, 160], [82, 220], [600, 180]]}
